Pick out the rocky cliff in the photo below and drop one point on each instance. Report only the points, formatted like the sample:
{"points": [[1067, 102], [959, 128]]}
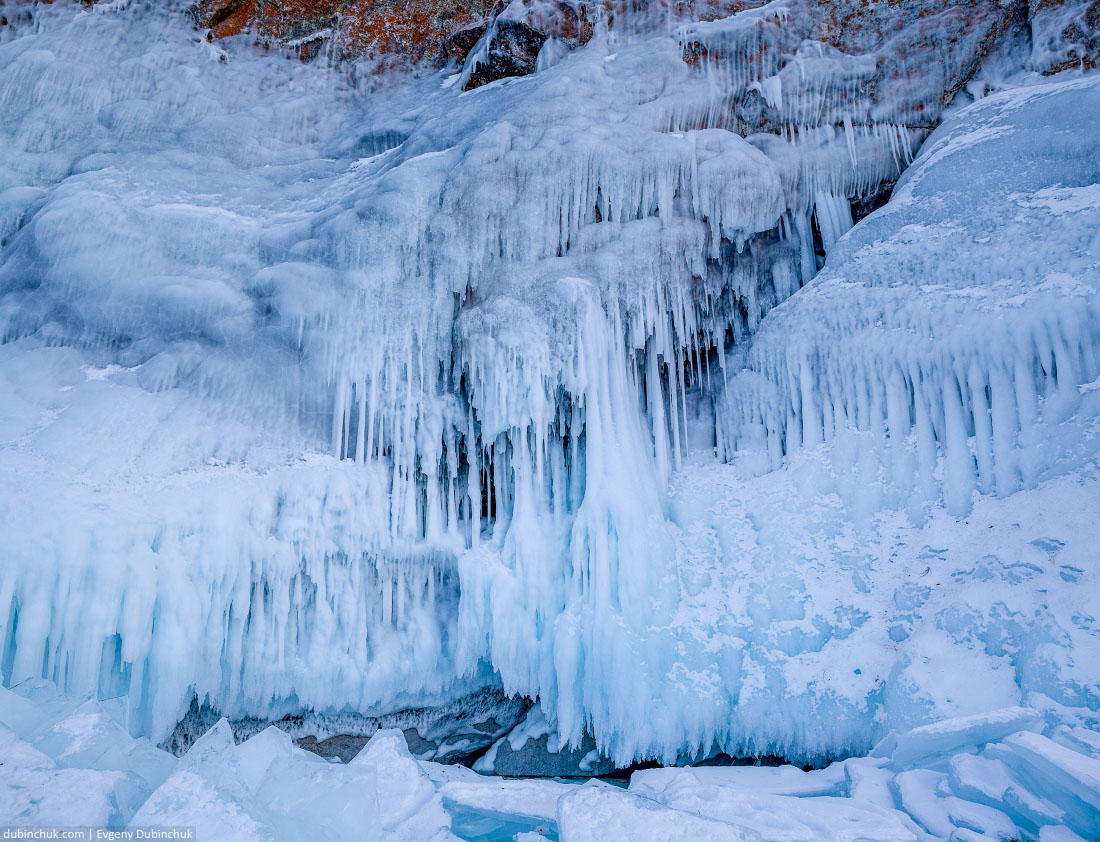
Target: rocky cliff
{"points": [[907, 38]]}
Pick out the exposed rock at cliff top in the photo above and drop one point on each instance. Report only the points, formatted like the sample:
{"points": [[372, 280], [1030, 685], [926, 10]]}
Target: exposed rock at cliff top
{"points": [[909, 38]]}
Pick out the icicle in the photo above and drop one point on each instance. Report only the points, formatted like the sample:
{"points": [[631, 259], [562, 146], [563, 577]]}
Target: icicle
{"points": [[1005, 423]]}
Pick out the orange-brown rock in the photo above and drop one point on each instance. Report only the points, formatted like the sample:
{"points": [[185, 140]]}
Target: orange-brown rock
{"points": [[285, 20], [462, 40], [223, 17], [428, 33], [398, 32], [412, 33], [566, 20]]}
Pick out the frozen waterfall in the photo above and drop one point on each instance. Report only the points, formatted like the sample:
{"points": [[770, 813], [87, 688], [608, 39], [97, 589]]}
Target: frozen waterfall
{"points": [[333, 398]]}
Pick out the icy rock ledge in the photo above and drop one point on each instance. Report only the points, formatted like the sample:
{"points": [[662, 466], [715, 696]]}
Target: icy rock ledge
{"points": [[1029, 774], [534, 748], [456, 732]]}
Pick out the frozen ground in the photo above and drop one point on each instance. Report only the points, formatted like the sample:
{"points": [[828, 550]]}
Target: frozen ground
{"points": [[1008, 774], [316, 398]]}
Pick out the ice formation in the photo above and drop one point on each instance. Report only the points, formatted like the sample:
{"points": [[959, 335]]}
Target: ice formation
{"points": [[1016, 773], [339, 400]]}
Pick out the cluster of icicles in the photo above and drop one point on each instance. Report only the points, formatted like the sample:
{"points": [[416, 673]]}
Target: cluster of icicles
{"points": [[456, 420], [512, 440]]}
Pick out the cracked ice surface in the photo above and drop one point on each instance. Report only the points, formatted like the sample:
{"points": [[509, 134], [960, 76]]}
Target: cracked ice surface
{"points": [[314, 399]]}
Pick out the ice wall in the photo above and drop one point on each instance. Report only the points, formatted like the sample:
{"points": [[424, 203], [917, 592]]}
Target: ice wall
{"points": [[323, 399], [961, 369]]}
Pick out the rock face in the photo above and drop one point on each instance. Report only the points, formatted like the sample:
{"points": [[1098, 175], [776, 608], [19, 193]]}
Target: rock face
{"points": [[512, 50], [517, 32], [1064, 34], [406, 34], [223, 17], [393, 33], [898, 61], [910, 46], [462, 40], [452, 733], [533, 749]]}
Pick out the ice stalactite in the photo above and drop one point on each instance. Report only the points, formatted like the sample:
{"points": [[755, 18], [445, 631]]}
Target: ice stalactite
{"points": [[959, 378], [351, 402]]}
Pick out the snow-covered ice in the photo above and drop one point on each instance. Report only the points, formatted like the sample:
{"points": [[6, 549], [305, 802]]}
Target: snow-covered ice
{"points": [[315, 398]]}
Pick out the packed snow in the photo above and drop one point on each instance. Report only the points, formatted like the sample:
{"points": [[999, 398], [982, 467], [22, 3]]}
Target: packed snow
{"points": [[325, 398]]}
